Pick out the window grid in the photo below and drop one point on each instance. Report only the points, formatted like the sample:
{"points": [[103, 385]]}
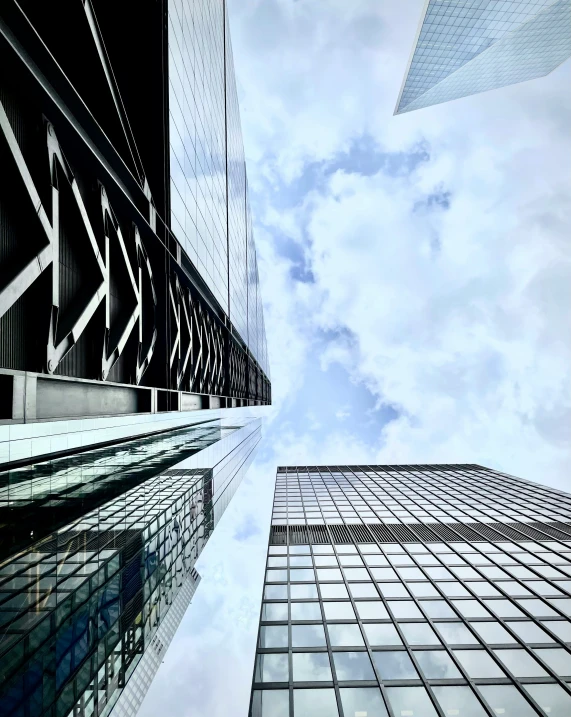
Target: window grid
{"points": [[482, 591]]}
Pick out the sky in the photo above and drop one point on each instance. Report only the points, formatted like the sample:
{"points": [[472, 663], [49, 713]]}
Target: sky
{"points": [[416, 280]]}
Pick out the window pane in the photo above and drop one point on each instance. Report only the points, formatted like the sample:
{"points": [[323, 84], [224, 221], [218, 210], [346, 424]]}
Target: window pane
{"points": [[363, 590], [317, 703], [270, 703], [373, 610], [530, 632], [277, 562], [307, 636], [272, 668], [455, 633], [558, 659], [404, 609], [537, 608], [393, 590], [362, 701], [345, 635], [423, 590], [380, 635], [384, 573], [298, 549], [275, 592], [273, 611], [276, 576], [273, 636], [339, 611], [322, 549], [492, 633], [328, 574], [311, 667], [437, 665], [333, 591], [471, 608], [303, 592], [419, 633], [305, 611], [478, 663], [504, 608], [505, 700], [300, 561], [437, 608], [356, 574], [376, 561], [410, 702], [301, 575], [460, 701], [552, 699], [395, 665], [353, 666], [351, 561], [520, 663], [325, 560]]}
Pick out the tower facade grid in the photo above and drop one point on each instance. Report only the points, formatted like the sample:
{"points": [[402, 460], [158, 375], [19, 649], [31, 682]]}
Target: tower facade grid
{"points": [[414, 591]]}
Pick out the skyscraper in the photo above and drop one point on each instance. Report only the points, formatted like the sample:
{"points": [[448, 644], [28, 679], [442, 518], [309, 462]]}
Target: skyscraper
{"points": [[414, 591], [97, 555], [128, 274], [463, 48]]}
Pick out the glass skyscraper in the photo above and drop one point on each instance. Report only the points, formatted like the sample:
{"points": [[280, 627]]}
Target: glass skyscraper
{"points": [[414, 591], [97, 555], [463, 48]]}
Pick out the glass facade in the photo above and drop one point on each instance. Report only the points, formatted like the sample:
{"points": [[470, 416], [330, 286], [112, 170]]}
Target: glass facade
{"points": [[414, 591], [474, 46], [210, 213], [95, 549]]}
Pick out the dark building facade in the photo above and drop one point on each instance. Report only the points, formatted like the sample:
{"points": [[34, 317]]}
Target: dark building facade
{"points": [[128, 274], [97, 554], [414, 591]]}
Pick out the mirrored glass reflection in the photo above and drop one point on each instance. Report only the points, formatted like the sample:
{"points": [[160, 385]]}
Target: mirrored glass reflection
{"points": [[552, 699], [410, 701], [362, 701], [311, 667], [270, 703], [419, 633], [505, 700], [353, 666], [372, 610], [459, 701], [380, 635], [305, 611], [478, 663], [394, 665], [338, 611], [307, 636], [317, 703], [274, 612], [456, 633], [272, 667], [437, 665], [273, 636], [346, 635]]}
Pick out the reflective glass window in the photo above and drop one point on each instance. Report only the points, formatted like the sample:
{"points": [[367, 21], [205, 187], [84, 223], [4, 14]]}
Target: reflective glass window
{"points": [[317, 703], [419, 633], [311, 667], [505, 700], [437, 665], [301, 575], [346, 635], [471, 608], [492, 633], [274, 611], [270, 703], [273, 636], [393, 590], [423, 590], [504, 608], [362, 701], [328, 574], [459, 700], [333, 591], [307, 636], [529, 632], [356, 574], [410, 702], [275, 592], [272, 667], [381, 634], [303, 591], [478, 663], [437, 608], [276, 576], [372, 610], [363, 590], [353, 666], [305, 611], [557, 658], [339, 611], [552, 699], [394, 665]]}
